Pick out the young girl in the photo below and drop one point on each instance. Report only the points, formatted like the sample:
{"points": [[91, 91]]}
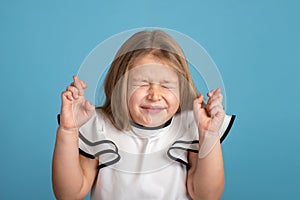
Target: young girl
{"points": [[154, 138]]}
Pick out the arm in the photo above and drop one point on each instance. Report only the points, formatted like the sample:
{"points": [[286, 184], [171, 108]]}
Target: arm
{"points": [[206, 176], [72, 174]]}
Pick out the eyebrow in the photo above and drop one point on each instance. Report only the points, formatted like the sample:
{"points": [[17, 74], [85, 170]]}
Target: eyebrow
{"points": [[165, 81], [142, 79], [169, 81]]}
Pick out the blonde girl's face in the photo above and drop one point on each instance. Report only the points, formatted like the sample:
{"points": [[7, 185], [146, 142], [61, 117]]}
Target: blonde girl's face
{"points": [[153, 92]]}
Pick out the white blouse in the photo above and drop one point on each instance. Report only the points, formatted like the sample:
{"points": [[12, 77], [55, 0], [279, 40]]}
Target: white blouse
{"points": [[143, 163]]}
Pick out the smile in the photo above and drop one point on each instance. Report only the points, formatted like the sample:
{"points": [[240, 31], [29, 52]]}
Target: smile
{"points": [[153, 109]]}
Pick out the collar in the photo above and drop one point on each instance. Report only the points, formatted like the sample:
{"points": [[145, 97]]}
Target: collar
{"points": [[145, 132]]}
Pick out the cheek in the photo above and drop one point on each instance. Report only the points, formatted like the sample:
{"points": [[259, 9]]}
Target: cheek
{"points": [[173, 99], [132, 108], [134, 97], [130, 92], [175, 104]]}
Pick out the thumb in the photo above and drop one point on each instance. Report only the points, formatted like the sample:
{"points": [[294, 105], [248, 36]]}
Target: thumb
{"points": [[198, 103], [197, 108], [89, 106], [67, 100]]}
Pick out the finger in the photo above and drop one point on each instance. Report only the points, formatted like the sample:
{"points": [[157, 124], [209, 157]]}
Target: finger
{"points": [[217, 97], [200, 99], [215, 110], [210, 93], [199, 102], [77, 84], [198, 110], [218, 90], [66, 96], [216, 101], [213, 104], [217, 118], [83, 84], [74, 91], [213, 92], [89, 106]]}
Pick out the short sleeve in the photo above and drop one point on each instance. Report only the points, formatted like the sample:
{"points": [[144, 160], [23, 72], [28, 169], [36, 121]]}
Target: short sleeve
{"points": [[189, 142], [226, 126], [87, 138], [93, 143]]}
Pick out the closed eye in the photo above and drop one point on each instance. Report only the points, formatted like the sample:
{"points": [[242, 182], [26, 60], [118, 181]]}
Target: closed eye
{"points": [[168, 86], [141, 84]]}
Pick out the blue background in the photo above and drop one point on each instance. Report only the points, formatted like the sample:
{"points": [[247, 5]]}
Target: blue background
{"points": [[254, 43]]}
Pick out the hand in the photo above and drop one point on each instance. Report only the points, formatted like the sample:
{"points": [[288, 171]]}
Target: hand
{"points": [[75, 109], [210, 117]]}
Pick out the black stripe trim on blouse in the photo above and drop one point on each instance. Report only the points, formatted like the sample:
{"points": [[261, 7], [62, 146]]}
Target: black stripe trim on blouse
{"points": [[106, 151], [196, 141], [228, 128], [86, 141], [58, 118], [111, 162], [184, 149], [105, 164], [151, 128], [86, 154], [89, 143]]}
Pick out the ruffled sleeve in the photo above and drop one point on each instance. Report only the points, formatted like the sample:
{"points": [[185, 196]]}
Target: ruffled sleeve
{"points": [[189, 141], [93, 143]]}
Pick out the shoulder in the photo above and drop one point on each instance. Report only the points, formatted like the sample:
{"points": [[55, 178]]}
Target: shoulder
{"points": [[185, 118], [185, 121], [97, 124]]}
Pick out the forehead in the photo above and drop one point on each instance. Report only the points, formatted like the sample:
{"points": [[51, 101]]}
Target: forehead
{"points": [[154, 72], [147, 59]]}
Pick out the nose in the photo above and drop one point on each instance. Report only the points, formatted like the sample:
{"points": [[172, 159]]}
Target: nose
{"points": [[154, 92]]}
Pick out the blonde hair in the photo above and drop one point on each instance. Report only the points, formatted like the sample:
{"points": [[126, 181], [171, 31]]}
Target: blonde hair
{"points": [[158, 44]]}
